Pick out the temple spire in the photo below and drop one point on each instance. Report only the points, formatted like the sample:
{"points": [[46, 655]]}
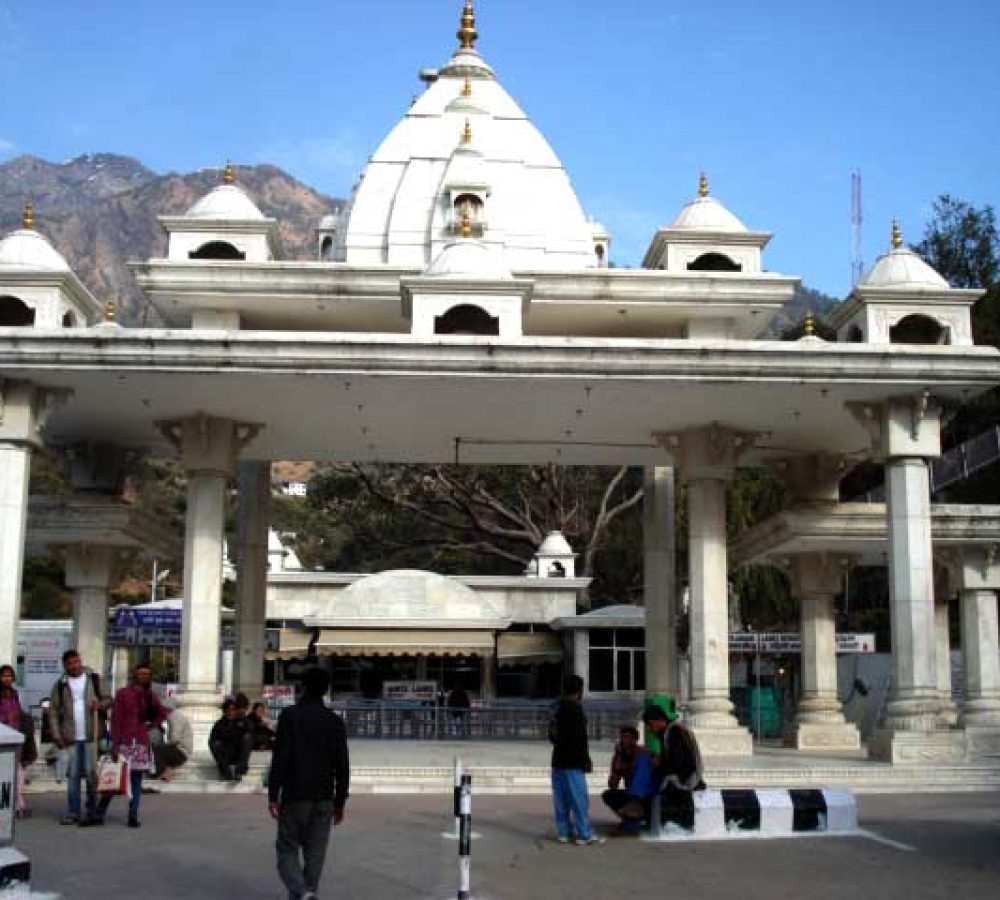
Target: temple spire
{"points": [[897, 235], [467, 33], [228, 175], [467, 134], [28, 216], [703, 185]]}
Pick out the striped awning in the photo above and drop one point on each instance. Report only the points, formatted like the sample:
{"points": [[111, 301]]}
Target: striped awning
{"points": [[517, 648], [404, 642]]}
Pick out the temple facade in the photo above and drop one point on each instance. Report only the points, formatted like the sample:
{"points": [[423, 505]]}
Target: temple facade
{"points": [[461, 309]]}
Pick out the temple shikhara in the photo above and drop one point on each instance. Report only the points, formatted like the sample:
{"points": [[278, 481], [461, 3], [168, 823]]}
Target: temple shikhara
{"points": [[461, 308]]}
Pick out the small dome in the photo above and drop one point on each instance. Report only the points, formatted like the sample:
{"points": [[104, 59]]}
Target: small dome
{"points": [[707, 214], [555, 544], [469, 259], [28, 249], [227, 201], [902, 268]]}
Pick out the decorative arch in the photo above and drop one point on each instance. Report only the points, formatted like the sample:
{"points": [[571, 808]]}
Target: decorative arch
{"points": [[69, 319], [15, 313], [217, 250], [467, 319], [919, 329], [326, 248], [714, 262]]}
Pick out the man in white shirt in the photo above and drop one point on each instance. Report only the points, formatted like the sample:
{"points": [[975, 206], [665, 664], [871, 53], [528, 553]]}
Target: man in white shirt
{"points": [[75, 707]]}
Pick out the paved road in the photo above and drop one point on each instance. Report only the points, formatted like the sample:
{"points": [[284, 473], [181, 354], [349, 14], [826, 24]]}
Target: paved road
{"points": [[194, 847]]}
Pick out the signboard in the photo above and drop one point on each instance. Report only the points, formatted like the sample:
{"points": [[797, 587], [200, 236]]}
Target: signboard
{"points": [[160, 617], [409, 690], [7, 787], [165, 634], [40, 647], [779, 642]]}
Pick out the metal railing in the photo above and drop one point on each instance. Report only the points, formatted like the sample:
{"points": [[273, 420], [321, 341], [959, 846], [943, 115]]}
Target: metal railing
{"points": [[416, 721]]}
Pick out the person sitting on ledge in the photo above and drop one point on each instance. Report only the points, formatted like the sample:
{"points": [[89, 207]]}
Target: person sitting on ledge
{"points": [[677, 769], [632, 766], [260, 729], [231, 743]]}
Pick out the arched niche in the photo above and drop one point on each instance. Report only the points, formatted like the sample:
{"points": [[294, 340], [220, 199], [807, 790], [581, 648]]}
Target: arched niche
{"points": [[326, 248], [467, 319], [69, 319], [15, 313], [217, 250], [714, 262], [919, 329], [855, 335]]}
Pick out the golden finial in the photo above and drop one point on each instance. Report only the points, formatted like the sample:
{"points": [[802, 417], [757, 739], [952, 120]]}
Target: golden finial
{"points": [[467, 87], [228, 175], [703, 185], [28, 216], [467, 33], [467, 133], [809, 325], [110, 311], [897, 235], [466, 224]]}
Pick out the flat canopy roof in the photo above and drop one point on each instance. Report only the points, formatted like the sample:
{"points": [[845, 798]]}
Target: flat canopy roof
{"points": [[856, 529], [396, 398]]}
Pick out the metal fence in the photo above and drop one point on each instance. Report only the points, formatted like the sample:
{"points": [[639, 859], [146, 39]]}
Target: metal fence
{"points": [[502, 722]]}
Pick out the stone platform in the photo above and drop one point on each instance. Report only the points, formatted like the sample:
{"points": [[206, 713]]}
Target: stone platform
{"points": [[414, 767]]}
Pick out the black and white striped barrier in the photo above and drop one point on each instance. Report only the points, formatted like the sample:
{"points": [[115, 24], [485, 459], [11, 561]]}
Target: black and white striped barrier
{"points": [[454, 834], [753, 813], [465, 838]]}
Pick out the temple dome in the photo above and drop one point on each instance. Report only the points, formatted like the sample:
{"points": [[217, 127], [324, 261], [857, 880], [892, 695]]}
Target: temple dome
{"points": [[706, 214], [469, 259], [901, 267], [555, 544], [27, 249], [227, 201], [402, 212]]}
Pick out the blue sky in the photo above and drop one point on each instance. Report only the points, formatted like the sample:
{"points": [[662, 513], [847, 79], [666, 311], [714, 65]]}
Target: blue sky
{"points": [[778, 100]]}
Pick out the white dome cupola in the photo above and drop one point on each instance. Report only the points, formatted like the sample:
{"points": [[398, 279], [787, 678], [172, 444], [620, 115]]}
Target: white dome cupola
{"points": [[223, 226], [403, 211], [903, 300], [468, 290], [706, 237], [37, 287]]}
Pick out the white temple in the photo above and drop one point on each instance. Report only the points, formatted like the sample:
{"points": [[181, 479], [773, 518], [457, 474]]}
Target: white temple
{"points": [[461, 309]]}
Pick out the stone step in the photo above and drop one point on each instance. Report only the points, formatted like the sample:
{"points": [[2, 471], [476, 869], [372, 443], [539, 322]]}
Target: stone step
{"points": [[861, 778]]}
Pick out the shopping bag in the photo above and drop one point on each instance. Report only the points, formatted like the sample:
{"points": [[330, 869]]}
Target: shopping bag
{"points": [[113, 776]]}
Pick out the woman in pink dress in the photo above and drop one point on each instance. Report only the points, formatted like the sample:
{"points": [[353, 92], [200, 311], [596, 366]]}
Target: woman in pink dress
{"points": [[12, 715], [136, 710]]}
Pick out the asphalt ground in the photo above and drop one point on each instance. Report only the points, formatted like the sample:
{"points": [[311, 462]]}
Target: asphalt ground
{"points": [[213, 846]]}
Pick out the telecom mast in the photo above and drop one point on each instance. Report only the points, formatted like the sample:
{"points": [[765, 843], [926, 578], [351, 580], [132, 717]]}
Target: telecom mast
{"points": [[857, 220]]}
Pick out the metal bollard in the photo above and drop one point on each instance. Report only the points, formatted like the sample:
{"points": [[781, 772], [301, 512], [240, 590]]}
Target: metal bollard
{"points": [[465, 838], [456, 833]]}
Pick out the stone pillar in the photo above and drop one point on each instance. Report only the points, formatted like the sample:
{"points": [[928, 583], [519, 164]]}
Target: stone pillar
{"points": [[23, 410], [819, 723], [980, 580], [707, 459], [947, 713], [209, 448], [88, 575], [119, 668], [659, 590], [489, 682], [907, 433], [253, 514]]}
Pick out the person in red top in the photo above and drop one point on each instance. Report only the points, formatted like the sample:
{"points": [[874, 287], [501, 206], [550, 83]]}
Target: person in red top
{"points": [[136, 710], [13, 716]]}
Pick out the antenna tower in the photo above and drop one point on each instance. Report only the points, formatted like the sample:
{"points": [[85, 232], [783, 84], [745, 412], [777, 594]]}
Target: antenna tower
{"points": [[857, 220]]}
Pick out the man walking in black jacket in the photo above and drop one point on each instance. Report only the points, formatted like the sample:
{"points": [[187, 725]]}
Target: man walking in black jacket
{"points": [[308, 785]]}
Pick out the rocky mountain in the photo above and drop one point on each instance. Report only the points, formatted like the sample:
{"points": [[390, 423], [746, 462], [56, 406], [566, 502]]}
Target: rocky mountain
{"points": [[100, 210]]}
